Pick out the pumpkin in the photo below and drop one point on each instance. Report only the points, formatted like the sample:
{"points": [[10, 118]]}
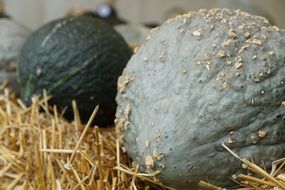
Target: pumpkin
{"points": [[203, 79], [75, 58], [134, 34], [12, 37], [247, 6]]}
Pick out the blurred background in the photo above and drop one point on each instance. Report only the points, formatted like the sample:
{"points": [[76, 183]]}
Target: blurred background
{"points": [[34, 13]]}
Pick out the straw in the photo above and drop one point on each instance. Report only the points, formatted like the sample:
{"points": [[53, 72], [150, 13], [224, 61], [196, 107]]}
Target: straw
{"points": [[39, 149]]}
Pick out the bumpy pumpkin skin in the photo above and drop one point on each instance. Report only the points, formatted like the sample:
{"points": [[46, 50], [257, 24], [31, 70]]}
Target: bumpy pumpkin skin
{"points": [[203, 79], [12, 38], [75, 58]]}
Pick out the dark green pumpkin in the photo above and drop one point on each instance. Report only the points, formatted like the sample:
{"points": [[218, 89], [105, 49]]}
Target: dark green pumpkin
{"points": [[204, 79], [74, 58]]}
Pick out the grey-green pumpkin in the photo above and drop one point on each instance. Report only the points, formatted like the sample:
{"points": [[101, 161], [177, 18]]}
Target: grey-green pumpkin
{"points": [[134, 34], [75, 58], [12, 37], [204, 79]]}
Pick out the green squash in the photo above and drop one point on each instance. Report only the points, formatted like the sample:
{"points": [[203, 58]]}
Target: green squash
{"points": [[12, 38], [75, 58], [204, 79]]}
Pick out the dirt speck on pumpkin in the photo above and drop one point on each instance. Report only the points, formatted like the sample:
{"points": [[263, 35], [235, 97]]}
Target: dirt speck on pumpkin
{"points": [[253, 139], [127, 112], [207, 67], [246, 34], [232, 34], [238, 65], [221, 54], [149, 162], [147, 143], [123, 82], [224, 85], [243, 48], [145, 59], [254, 40], [156, 155], [227, 42], [230, 140], [197, 32], [262, 133]]}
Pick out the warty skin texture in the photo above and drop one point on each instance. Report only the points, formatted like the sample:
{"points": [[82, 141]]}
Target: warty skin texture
{"points": [[200, 80]]}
